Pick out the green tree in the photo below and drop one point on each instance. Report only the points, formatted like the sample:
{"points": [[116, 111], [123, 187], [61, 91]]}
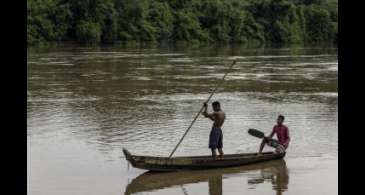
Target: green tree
{"points": [[279, 19], [214, 19], [319, 27], [161, 18], [187, 28], [249, 22], [133, 23], [47, 20], [252, 33], [98, 15], [88, 32]]}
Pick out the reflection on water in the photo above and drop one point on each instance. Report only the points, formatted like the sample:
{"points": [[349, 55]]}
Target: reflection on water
{"points": [[215, 185], [275, 172], [277, 175]]}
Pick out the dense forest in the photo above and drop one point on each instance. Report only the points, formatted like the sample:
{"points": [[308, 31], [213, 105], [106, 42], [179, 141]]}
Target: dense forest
{"points": [[245, 22]]}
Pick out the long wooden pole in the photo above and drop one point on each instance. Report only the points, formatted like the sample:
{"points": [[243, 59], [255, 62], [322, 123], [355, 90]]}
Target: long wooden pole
{"points": [[201, 109]]}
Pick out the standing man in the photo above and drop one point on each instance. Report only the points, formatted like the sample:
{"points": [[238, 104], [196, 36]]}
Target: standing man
{"points": [[216, 135], [282, 132]]}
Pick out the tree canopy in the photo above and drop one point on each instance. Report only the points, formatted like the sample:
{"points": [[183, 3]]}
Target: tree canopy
{"points": [[247, 22]]}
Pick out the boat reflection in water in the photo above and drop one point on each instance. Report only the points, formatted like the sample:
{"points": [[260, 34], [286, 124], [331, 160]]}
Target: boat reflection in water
{"points": [[274, 171], [277, 174]]}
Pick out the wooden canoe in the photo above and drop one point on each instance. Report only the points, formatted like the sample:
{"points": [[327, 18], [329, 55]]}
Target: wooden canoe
{"points": [[154, 163]]}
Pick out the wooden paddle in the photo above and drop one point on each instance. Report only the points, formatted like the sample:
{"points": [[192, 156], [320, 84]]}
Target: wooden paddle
{"points": [[259, 134], [256, 133]]}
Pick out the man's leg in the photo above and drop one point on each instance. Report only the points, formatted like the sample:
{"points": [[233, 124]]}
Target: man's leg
{"points": [[264, 141], [220, 144], [220, 150], [214, 154]]}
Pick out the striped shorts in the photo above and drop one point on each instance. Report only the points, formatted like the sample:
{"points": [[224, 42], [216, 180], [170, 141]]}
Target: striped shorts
{"points": [[275, 144]]}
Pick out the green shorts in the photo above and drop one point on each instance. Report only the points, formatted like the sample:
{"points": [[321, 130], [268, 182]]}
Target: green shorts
{"points": [[275, 144]]}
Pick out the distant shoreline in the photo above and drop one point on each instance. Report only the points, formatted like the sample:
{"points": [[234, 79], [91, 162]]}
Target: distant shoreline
{"points": [[133, 44]]}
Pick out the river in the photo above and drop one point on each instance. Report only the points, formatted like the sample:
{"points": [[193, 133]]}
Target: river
{"points": [[84, 104]]}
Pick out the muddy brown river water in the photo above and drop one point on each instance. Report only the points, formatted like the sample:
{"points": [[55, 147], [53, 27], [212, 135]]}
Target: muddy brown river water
{"points": [[85, 104]]}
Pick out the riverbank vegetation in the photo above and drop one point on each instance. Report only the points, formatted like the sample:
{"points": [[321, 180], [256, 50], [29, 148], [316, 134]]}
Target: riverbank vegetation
{"points": [[202, 22]]}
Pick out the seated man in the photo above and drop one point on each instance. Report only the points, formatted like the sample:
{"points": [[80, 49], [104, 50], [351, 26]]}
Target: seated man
{"points": [[282, 133]]}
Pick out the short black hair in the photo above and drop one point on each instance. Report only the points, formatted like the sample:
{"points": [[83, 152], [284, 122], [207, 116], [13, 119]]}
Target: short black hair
{"points": [[282, 117], [216, 103]]}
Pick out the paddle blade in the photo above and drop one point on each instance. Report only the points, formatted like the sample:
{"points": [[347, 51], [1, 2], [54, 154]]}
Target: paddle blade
{"points": [[256, 133]]}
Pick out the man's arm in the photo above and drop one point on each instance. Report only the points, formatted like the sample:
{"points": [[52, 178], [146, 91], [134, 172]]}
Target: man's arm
{"points": [[205, 109], [272, 133], [205, 113], [286, 143]]}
